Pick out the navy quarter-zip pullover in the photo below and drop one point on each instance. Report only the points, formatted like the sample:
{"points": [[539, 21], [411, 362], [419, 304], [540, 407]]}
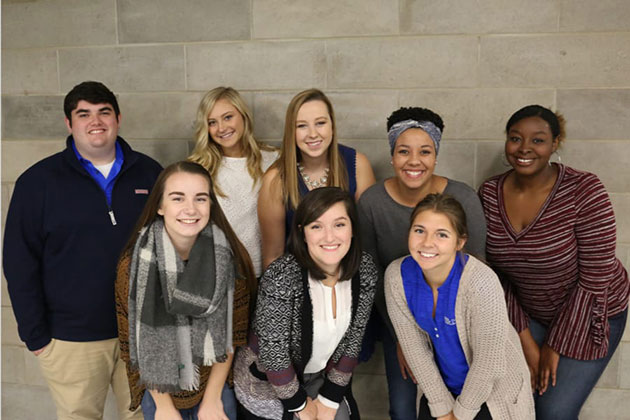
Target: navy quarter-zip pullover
{"points": [[61, 247]]}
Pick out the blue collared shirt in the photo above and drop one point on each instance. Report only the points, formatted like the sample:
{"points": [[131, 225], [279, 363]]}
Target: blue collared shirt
{"points": [[106, 184], [448, 351]]}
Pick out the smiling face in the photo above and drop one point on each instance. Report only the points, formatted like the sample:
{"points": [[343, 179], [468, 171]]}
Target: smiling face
{"points": [[185, 207], [529, 146], [328, 238], [313, 129], [414, 158], [226, 127], [433, 244], [94, 128]]}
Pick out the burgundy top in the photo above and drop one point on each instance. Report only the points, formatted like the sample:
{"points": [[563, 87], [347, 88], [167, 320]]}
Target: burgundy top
{"points": [[561, 269]]}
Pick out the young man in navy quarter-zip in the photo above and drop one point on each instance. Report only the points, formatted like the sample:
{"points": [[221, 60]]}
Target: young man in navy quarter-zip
{"points": [[69, 218]]}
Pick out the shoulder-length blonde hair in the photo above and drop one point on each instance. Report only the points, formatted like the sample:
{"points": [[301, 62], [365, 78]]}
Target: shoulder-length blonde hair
{"points": [[208, 153], [289, 154]]}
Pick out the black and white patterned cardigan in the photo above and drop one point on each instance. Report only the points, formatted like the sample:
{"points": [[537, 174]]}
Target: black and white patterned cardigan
{"points": [[282, 333]]}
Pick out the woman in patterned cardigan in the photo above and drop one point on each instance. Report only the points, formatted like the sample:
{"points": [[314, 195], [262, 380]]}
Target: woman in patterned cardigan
{"points": [[313, 305]]}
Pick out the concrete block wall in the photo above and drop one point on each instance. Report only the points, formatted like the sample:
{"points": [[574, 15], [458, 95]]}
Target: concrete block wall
{"points": [[472, 62]]}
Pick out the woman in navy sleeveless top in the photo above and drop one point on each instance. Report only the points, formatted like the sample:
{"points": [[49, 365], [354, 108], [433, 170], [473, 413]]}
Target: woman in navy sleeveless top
{"points": [[349, 156], [310, 158]]}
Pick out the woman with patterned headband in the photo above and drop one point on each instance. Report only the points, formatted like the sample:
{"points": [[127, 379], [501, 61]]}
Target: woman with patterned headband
{"points": [[414, 136]]}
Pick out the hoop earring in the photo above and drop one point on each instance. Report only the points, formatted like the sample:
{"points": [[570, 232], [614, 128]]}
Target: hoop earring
{"points": [[504, 160], [557, 155]]}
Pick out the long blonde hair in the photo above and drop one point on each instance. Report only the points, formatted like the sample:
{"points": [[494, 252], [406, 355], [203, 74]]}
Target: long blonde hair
{"points": [[208, 154], [287, 162]]}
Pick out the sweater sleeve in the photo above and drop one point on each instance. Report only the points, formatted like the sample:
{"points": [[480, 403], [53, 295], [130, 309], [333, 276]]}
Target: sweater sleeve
{"points": [[368, 232], [518, 316], [475, 219], [276, 297], [581, 326], [487, 327], [345, 358], [415, 344], [368, 242], [24, 242], [240, 320], [121, 294], [476, 244]]}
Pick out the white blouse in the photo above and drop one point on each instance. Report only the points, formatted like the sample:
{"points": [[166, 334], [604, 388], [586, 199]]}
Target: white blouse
{"points": [[328, 331]]}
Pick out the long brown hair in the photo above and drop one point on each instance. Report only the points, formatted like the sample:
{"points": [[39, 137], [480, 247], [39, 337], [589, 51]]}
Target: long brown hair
{"points": [[149, 214], [208, 154], [314, 204], [287, 162]]}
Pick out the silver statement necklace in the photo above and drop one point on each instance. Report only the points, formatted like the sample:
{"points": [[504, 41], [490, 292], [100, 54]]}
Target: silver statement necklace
{"points": [[322, 182]]}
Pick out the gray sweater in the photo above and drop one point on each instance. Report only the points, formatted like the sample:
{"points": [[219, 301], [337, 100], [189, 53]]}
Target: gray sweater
{"points": [[498, 374], [385, 228]]}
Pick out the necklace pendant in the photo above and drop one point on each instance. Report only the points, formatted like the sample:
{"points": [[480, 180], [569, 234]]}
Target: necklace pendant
{"points": [[310, 184]]}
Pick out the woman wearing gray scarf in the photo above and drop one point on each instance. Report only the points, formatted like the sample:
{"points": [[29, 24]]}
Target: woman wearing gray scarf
{"points": [[186, 304]]}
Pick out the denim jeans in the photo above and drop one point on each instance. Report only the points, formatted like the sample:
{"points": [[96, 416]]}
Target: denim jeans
{"points": [[402, 392], [227, 398], [575, 379]]}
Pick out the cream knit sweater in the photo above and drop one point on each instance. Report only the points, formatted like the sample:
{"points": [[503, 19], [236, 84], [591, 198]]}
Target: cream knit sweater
{"points": [[241, 201], [498, 374]]}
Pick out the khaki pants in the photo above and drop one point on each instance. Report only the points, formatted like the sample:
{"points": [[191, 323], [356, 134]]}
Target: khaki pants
{"points": [[79, 375]]}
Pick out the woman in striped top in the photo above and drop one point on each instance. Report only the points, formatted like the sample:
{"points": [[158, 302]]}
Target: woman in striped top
{"points": [[551, 238]]}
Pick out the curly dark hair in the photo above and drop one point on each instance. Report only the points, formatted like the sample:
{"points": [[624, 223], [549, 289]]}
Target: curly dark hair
{"points": [[417, 114]]}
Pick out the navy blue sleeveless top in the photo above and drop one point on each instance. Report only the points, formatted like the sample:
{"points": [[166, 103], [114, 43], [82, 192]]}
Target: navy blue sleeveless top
{"points": [[349, 156]]}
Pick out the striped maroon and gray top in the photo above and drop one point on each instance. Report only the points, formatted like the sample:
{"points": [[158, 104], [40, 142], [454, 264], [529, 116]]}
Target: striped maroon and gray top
{"points": [[561, 269]]}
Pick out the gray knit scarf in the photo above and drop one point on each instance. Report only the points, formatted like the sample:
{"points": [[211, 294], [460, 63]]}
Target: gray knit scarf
{"points": [[180, 315]]}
